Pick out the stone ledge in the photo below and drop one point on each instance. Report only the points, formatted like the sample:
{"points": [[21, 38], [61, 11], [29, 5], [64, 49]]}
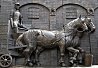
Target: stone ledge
{"points": [[93, 66]]}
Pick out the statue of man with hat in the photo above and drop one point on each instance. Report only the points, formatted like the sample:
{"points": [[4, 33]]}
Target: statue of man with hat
{"points": [[16, 17]]}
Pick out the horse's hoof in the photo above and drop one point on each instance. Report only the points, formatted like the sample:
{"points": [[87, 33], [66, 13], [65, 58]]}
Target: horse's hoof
{"points": [[63, 64], [70, 64], [74, 65], [30, 64], [38, 64]]}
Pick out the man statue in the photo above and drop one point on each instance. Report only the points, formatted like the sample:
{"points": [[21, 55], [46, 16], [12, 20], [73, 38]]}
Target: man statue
{"points": [[16, 18]]}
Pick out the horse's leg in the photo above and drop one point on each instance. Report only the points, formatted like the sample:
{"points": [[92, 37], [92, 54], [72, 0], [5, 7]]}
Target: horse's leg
{"points": [[37, 54], [27, 53], [80, 55], [62, 50], [74, 54]]}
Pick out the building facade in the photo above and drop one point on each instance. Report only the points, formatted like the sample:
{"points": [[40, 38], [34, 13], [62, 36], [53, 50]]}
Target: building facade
{"points": [[50, 15]]}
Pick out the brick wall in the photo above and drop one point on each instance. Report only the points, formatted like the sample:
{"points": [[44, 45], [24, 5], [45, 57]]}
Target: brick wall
{"points": [[52, 20]]}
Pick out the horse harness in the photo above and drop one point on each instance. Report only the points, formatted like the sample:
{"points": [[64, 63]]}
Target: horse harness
{"points": [[57, 40]]}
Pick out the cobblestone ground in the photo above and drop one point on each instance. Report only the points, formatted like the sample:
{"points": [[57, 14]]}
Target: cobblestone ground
{"points": [[93, 66]]}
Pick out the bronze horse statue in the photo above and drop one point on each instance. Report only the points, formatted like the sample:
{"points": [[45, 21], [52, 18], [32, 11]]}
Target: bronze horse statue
{"points": [[37, 40]]}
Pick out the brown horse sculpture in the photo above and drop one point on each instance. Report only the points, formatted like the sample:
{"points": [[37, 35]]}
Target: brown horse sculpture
{"points": [[37, 40]]}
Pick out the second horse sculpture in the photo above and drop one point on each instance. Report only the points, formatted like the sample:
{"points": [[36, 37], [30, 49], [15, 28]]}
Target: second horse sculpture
{"points": [[37, 40]]}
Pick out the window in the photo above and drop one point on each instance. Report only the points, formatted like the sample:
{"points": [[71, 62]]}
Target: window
{"points": [[33, 13], [71, 13]]}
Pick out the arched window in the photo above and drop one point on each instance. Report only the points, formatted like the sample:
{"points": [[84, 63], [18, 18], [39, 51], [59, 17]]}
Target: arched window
{"points": [[67, 12], [35, 16], [71, 13]]}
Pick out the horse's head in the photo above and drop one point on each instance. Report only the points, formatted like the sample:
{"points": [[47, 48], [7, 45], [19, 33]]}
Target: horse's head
{"points": [[89, 23], [78, 25]]}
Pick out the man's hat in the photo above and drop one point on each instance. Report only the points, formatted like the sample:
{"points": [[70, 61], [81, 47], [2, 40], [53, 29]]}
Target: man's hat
{"points": [[17, 3]]}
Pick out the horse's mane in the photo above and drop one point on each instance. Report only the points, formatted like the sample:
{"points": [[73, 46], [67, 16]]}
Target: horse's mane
{"points": [[70, 26], [71, 23]]}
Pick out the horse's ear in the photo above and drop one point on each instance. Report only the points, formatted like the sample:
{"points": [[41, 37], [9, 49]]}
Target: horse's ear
{"points": [[80, 17]]}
